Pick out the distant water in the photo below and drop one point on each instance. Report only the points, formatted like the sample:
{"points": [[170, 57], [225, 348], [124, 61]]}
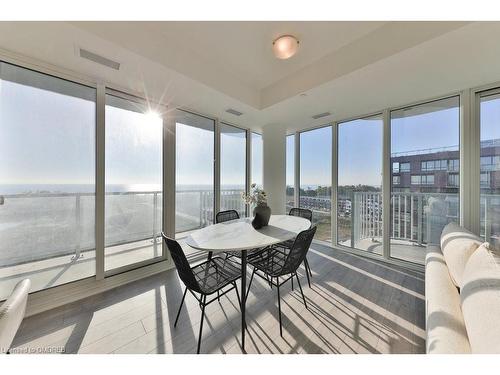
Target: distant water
{"points": [[7, 189]]}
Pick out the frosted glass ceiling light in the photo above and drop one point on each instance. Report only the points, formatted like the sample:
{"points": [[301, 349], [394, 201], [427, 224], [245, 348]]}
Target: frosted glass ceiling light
{"points": [[285, 46]]}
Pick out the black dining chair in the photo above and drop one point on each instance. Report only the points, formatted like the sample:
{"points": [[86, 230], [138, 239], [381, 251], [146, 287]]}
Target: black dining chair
{"points": [[274, 264], [204, 279], [285, 246], [224, 216]]}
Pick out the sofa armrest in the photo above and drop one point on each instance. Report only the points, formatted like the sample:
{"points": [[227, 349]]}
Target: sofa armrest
{"points": [[445, 327], [12, 314]]}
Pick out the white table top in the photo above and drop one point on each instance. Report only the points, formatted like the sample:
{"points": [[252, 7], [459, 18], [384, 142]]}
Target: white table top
{"points": [[240, 235]]}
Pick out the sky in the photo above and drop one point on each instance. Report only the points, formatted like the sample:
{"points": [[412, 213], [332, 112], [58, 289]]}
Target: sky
{"points": [[52, 141], [360, 152], [316, 157], [360, 144], [47, 137]]}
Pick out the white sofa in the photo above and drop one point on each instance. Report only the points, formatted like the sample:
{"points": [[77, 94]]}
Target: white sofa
{"points": [[462, 292], [12, 314]]}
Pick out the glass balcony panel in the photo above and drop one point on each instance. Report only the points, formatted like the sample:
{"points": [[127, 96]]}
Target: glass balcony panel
{"points": [[359, 221], [133, 174], [47, 179], [315, 178], [194, 168], [233, 168], [421, 205], [490, 173]]}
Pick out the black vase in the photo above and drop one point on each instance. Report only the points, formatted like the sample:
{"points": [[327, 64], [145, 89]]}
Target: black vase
{"points": [[262, 213], [257, 222]]}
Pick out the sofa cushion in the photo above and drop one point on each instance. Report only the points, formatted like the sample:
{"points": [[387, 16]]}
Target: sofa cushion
{"points": [[445, 326], [457, 245], [480, 295]]}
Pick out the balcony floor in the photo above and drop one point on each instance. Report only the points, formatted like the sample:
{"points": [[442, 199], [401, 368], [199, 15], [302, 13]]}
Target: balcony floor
{"points": [[356, 305], [400, 249], [64, 269]]}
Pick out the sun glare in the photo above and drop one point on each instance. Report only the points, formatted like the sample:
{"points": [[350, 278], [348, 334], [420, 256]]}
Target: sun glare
{"points": [[152, 118]]}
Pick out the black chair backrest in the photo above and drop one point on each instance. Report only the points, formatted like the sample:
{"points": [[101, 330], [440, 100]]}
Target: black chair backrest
{"points": [[301, 212], [226, 216], [298, 251], [181, 263]]}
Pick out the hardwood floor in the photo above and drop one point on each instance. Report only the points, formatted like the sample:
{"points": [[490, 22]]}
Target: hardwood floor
{"points": [[355, 305]]}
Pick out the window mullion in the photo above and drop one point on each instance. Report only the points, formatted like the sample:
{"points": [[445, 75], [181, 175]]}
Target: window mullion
{"points": [[100, 180]]}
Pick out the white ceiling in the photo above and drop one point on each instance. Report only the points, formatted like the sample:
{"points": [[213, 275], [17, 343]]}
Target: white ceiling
{"points": [[242, 50], [348, 68]]}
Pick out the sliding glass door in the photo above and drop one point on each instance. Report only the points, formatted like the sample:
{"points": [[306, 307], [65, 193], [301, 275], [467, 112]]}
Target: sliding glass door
{"points": [[232, 168], [133, 175], [424, 174], [194, 172], [489, 182], [316, 178], [359, 212], [47, 179]]}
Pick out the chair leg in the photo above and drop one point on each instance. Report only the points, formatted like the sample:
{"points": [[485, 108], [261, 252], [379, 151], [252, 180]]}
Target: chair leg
{"points": [[201, 323], [180, 307], [308, 267], [292, 284], [237, 295], [308, 271], [270, 281], [301, 292], [279, 307], [250, 284], [218, 296]]}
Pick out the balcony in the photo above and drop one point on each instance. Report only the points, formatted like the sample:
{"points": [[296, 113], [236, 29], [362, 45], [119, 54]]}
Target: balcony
{"points": [[56, 231], [416, 220]]}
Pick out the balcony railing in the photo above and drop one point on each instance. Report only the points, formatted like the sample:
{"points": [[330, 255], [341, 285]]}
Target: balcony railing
{"points": [[194, 208], [415, 217], [38, 226]]}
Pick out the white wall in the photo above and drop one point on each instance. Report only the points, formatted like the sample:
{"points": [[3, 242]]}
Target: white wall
{"points": [[274, 139]]}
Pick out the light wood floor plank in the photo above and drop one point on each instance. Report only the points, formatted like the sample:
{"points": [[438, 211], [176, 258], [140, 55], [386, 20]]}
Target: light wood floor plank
{"points": [[355, 305]]}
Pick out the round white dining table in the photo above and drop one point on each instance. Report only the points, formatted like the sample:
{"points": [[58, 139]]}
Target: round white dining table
{"points": [[240, 235]]}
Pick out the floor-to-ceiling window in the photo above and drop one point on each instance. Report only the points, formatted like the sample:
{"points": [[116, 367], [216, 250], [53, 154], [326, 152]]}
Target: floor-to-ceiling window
{"points": [[359, 212], [316, 178], [424, 175], [290, 173], [133, 175], [489, 182], [232, 168], [257, 160], [47, 179], [194, 171]]}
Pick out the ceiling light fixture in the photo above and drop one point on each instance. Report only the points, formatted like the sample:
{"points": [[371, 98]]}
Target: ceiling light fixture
{"points": [[285, 46]]}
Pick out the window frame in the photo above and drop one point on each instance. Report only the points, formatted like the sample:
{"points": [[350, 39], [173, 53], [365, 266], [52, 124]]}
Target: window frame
{"points": [[126, 273], [469, 160], [406, 168]]}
